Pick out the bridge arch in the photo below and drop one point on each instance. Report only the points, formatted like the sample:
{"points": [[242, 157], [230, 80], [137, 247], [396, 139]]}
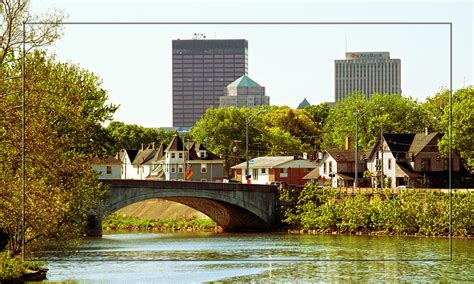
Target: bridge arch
{"points": [[234, 207]]}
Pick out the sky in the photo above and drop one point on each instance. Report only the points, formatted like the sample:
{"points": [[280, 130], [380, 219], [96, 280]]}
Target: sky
{"points": [[292, 62]]}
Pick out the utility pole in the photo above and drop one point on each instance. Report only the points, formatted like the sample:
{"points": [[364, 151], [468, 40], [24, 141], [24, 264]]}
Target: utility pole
{"points": [[356, 159]]}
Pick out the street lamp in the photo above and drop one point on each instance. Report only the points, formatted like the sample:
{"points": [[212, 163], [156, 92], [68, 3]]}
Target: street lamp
{"points": [[247, 121], [356, 167]]}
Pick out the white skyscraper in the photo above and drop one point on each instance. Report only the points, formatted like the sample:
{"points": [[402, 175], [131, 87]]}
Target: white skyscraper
{"points": [[368, 73]]}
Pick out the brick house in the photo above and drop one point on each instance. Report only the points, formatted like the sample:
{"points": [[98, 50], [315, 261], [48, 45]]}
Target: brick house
{"points": [[265, 170]]}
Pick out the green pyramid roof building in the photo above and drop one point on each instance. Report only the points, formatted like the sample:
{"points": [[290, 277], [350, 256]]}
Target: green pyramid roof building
{"points": [[244, 81]]}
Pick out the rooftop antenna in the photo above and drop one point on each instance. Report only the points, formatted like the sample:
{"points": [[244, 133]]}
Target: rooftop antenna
{"points": [[199, 36]]}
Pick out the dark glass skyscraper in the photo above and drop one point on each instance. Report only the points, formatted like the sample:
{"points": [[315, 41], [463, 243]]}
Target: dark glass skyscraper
{"points": [[201, 71]]}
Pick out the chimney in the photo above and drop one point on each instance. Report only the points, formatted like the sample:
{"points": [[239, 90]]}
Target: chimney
{"points": [[347, 143], [153, 145], [143, 146], [426, 131]]}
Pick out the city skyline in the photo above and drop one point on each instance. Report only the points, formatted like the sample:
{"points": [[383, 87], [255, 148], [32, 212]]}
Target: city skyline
{"points": [[142, 84]]}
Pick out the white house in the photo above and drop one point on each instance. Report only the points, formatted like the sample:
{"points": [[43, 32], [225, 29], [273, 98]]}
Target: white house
{"points": [[108, 168], [337, 167]]}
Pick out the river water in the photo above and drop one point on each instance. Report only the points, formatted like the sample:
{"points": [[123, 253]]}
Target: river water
{"points": [[265, 258]]}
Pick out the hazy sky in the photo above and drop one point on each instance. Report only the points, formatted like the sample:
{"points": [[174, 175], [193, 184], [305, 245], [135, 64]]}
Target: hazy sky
{"points": [[292, 62]]}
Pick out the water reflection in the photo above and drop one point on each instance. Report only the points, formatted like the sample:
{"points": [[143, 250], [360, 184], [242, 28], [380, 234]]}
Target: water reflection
{"points": [[202, 257]]}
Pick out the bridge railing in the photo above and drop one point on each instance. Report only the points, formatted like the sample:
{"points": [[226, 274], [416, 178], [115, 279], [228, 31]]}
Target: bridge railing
{"points": [[188, 185]]}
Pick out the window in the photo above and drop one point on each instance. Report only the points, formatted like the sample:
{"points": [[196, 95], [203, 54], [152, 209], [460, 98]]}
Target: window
{"points": [[203, 168], [172, 155], [264, 171], [204, 180], [389, 164], [180, 155], [325, 170], [180, 168], [109, 170], [284, 173], [255, 174], [173, 168], [330, 167], [425, 165]]}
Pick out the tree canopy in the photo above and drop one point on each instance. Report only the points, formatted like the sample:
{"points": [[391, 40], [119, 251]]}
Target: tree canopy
{"points": [[65, 109]]}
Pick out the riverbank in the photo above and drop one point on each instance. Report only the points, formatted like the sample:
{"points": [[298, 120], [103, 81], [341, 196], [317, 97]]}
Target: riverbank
{"points": [[408, 213], [120, 222], [13, 270]]}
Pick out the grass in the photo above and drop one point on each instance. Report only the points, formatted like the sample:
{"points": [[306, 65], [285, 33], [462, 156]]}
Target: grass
{"points": [[123, 222], [12, 268]]}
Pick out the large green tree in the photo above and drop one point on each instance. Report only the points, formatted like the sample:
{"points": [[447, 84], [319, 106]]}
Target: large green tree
{"points": [[389, 113], [65, 109], [462, 126], [132, 136]]}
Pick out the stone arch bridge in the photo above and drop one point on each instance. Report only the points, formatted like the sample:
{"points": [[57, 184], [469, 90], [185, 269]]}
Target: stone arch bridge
{"points": [[234, 207]]}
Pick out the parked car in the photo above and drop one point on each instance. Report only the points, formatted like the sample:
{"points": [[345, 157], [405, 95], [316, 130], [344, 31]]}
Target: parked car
{"points": [[405, 186]]}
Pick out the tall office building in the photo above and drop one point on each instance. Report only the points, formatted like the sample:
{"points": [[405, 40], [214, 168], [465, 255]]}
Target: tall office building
{"points": [[201, 70], [368, 73]]}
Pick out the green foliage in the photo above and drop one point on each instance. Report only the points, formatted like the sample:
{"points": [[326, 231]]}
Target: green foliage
{"points": [[123, 222], [132, 136], [13, 268], [408, 212], [66, 107], [397, 113], [462, 126]]}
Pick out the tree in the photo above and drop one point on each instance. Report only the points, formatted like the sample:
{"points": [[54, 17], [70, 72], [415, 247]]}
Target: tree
{"points": [[462, 126], [132, 136], [394, 113], [65, 110], [12, 15], [435, 107]]}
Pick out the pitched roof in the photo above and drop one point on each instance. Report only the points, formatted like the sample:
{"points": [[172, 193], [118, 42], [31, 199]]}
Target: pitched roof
{"points": [[195, 147], [265, 162], [303, 104], [244, 81], [420, 141], [314, 174], [344, 155], [398, 142], [131, 153], [159, 154], [176, 144], [143, 156], [109, 160]]}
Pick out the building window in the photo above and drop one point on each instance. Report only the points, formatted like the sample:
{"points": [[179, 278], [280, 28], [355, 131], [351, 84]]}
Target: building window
{"points": [[255, 174], [325, 170], [180, 155], [283, 173], [173, 168], [389, 164], [109, 170], [330, 167], [180, 168], [204, 180], [172, 156], [203, 168], [264, 171], [425, 165]]}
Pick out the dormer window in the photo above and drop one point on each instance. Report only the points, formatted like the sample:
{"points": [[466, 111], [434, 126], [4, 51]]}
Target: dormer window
{"points": [[202, 154], [172, 155]]}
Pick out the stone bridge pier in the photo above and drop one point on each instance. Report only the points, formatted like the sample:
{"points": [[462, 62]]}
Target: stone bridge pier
{"points": [[234, 207]]}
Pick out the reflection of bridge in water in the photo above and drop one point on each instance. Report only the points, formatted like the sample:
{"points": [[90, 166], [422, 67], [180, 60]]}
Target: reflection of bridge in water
{"points": [[234, 207]]}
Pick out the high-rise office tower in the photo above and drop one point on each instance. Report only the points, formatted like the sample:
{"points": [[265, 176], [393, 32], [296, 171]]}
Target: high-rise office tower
{"points": [[368, 73], [201, 70]]}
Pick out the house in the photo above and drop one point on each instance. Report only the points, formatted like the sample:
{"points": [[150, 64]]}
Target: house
{"points": [[337, 168], [410, 160], [188, 161], [126, 157], [108, 167], [265, 170]]}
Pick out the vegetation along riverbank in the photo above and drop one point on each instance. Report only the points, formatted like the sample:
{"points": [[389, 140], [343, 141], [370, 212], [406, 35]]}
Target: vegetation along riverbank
{"points": [[119, 222], [386, 212]]}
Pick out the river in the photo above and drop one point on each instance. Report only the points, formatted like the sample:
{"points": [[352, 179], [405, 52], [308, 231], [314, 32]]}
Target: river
{"points": [[279, 257]]}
